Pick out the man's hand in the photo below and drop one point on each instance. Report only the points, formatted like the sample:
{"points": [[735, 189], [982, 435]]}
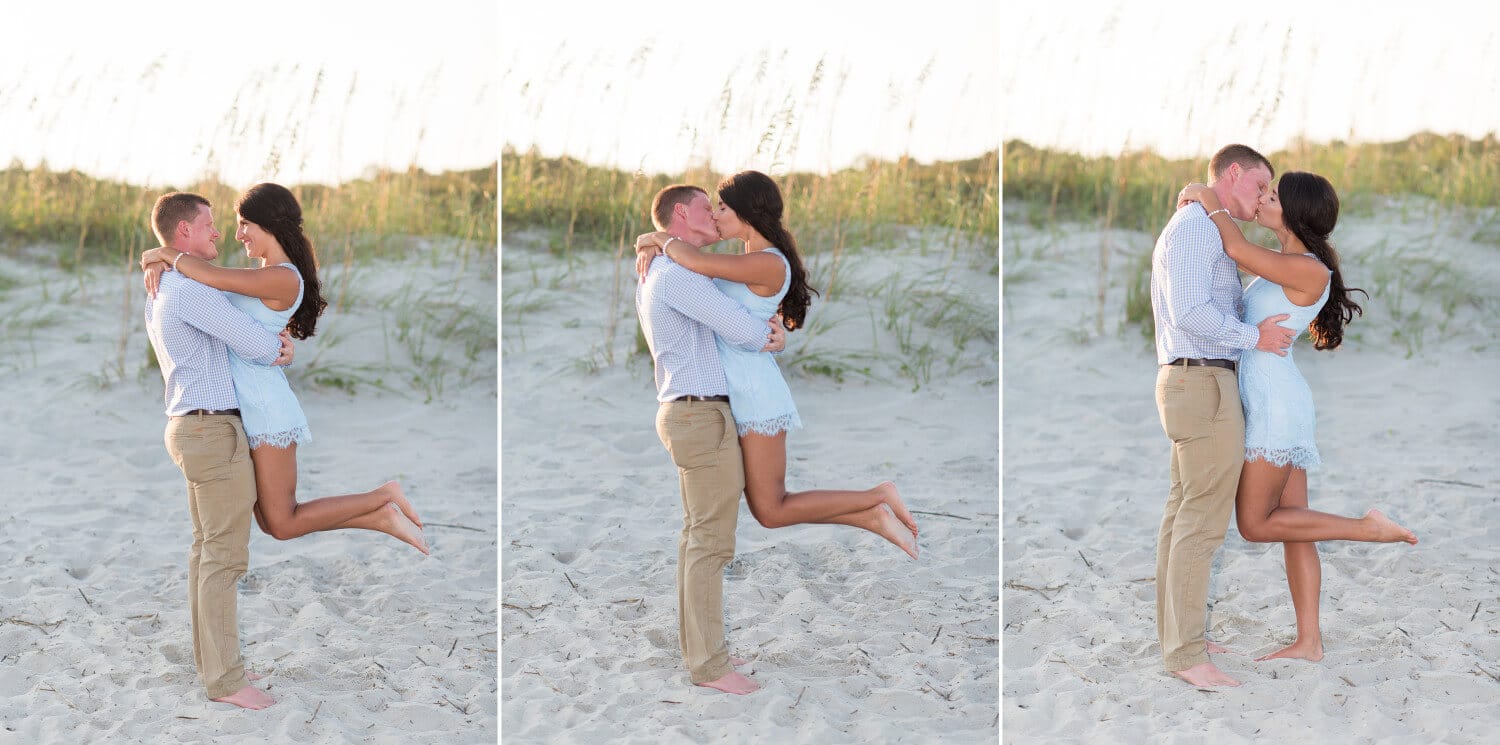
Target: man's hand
{"points": [[777, 338], [287, 349], [1273, 338], [648, 247]]}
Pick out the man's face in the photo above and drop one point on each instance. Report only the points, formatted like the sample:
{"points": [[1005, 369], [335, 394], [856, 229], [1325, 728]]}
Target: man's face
{"points": [[1246, 187], [700, 221], [201, 235]]}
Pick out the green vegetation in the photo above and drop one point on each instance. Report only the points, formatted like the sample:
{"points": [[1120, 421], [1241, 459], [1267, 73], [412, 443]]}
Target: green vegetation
{"points": [[580, 205], [100, 220], [1137, 189]]}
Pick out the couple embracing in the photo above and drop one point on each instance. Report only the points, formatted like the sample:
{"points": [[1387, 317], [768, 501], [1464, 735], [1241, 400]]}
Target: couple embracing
{"points": [[1231, 400], [221, 337], [712, 322]]}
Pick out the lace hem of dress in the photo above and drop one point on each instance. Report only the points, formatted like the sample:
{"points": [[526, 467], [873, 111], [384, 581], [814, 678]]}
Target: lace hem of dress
{"points": [[770, 427], [285, 439], [1304, 458]]}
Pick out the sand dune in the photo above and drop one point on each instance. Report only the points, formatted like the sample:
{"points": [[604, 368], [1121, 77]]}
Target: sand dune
{"points": [[852, 640], [1406, 423]]}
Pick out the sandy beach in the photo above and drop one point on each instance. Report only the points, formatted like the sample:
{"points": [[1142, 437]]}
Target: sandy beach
{"points": [[362, 639], [851, 640], [1406, 423]]}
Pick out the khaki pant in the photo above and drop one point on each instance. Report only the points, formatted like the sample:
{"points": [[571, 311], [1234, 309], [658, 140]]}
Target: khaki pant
{"points": [[1200, 412], [701, 437], [214, 457]]}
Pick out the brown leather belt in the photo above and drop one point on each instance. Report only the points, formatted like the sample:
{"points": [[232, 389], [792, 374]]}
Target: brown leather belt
{"points": [[699, 398], [212, 412], [1194, 362]]}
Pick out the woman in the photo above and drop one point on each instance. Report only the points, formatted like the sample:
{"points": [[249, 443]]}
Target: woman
{"points": [[282, 291], [768, 278], [1302, 280]]}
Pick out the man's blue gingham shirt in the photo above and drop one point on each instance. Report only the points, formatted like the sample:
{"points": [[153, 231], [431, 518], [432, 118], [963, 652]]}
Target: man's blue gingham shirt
{"points": [[1196, 297], [191, 326], [680, 311]]}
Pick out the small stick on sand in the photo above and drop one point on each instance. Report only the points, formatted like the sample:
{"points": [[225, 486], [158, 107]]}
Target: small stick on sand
{"points": [[459, 527], [419, 658], [455, 646], [1348, 682], [1476, 612], [935, 636], [939, 514], [1085, 559], [315, 713], [1453, 483], [85, 598], [799, 698], [570, 581], [1486, 672]]}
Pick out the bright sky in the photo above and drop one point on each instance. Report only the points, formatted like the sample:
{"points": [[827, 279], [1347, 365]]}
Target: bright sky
{"points": [[660, 87], [285, 90], [1103, 77]]}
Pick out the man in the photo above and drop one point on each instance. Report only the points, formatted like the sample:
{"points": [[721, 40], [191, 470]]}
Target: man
{"points": [[191, 325], [680, 312], [1196, 302]]}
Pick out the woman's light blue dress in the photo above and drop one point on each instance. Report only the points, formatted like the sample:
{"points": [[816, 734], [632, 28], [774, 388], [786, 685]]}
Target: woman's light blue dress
{"points": [[758, 396], [1279, 416], [268, 408]]}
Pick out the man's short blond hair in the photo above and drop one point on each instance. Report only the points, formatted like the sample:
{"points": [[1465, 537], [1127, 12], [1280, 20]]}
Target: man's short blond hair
{"points": [[171, 209], [667, 200]]}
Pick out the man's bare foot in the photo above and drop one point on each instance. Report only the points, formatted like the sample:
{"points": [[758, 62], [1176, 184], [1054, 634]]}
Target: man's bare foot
{"points": [[396, 525], [393, 492], [1206, 674], [1216, 648], [1311, 651], [1385, 530], [248, 697], [733, 682], [893, 500]]}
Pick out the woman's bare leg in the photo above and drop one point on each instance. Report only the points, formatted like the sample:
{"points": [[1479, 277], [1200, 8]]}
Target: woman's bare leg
{"points": [[280, 516], [773, 507], [1262, 518], [1304, 575]]}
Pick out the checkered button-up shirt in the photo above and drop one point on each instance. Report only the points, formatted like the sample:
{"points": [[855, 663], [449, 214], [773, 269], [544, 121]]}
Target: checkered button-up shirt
{"points": [[191, 326], [680, 311], [1196, 297]]}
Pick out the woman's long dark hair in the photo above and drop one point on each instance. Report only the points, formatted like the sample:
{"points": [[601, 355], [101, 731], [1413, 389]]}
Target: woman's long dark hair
{"points": [[755, 198], [275, 210], [1310, 208]]}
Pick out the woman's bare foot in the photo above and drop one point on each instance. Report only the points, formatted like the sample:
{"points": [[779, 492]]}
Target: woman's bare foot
{"points": [[1301, 650], [1386, 530], [253, 676], [1216, 648], [1206, 674], [248, 697], [893, 500], [880, 521], [392, 492], [395, 524], [733, 682], [736, 661]]}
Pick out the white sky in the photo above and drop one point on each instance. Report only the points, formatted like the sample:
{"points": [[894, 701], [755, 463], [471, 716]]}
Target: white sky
{"points": [[1102, 77], [660, 86], [226, 87]]}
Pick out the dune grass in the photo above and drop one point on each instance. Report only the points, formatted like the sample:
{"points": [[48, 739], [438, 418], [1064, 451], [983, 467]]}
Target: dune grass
{"points": [[1425, 178]]}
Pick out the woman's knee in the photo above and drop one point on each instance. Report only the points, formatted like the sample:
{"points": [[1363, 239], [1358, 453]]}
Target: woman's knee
{"points": [[1253, 530]]}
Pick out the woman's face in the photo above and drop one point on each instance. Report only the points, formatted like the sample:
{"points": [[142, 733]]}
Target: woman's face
{"points": [[258, 243], [730, 225], [1269, 213]]}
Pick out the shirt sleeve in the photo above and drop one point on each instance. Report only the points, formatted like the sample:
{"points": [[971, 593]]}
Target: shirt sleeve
{"points": [[207, 310], [695, 296], [1189, 259]]}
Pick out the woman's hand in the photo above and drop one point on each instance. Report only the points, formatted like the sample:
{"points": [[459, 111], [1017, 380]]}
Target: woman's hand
{"points": [[161, 255], [648, 247], [1198, 193], [153, 277]]}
